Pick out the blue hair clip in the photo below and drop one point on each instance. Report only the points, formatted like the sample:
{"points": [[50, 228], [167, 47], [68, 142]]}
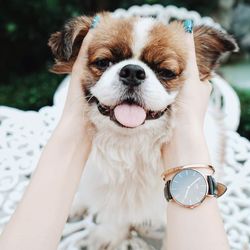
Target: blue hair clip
{"points": [[188, 25], [95, 21]]}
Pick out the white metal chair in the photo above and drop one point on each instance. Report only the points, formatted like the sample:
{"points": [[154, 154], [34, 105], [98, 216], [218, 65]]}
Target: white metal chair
{"points": [[23, 134]]}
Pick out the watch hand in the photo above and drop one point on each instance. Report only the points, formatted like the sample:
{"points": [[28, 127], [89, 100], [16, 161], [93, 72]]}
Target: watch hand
{"points": [[186, 192], [194, 182]]}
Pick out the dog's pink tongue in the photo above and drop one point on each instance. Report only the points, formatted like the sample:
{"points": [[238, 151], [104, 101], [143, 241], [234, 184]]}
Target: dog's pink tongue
{"points": [[130, 115]]}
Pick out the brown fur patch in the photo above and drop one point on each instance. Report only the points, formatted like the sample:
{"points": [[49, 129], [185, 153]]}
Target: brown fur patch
{"points": [[65, 44], [165, 51], [210, 44], [113, 40]]}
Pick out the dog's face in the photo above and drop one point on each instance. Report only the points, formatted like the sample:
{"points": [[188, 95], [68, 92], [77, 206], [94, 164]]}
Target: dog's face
{"points": [[135, 66]]}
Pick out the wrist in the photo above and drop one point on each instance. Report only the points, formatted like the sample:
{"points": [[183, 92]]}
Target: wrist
{"points": [[187, 146]]}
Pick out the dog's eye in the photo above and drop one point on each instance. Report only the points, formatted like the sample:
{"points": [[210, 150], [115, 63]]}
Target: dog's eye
{"points": [[166, 74], [102, 64]]}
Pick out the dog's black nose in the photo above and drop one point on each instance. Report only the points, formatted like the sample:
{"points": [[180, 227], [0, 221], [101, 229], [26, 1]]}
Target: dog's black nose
{"points": [[132, 75]]}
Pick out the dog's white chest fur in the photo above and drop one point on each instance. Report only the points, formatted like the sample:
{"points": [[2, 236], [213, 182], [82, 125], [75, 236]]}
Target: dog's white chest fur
{"points": [[121, 181]]}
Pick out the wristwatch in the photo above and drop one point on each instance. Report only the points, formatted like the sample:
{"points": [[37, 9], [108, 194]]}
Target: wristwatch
{"points": [[189, 188]]}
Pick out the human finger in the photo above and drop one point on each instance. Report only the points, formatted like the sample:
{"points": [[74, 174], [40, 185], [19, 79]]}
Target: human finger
{"points": [[191, 71]]}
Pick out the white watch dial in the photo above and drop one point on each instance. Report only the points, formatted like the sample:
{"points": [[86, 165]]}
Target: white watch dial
{"points": [[188, 187]]}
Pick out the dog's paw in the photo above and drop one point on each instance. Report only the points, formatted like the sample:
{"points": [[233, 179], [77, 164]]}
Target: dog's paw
{"points": [[107, 237]]}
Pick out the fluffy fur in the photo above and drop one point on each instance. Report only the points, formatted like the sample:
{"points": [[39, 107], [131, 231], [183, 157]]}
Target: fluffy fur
{"points": [[121, 181]]}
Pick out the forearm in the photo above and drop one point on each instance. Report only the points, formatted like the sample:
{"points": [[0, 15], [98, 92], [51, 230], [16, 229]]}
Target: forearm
{"points": [[39, 219], [196, 229], [201, 227]]}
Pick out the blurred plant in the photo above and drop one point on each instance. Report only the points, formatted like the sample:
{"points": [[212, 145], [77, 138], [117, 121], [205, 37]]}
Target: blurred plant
{"points": [[244, 128], [30, 92], [240, 25]]}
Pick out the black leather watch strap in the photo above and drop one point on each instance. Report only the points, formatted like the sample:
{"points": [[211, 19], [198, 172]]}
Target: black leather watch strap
{"points": [[167, 193], [215, 188], [212, 186]]}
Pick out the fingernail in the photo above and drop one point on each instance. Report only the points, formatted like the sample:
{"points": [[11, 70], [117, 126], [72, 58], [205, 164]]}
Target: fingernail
{"points": [[188, 25], [95, 21]]}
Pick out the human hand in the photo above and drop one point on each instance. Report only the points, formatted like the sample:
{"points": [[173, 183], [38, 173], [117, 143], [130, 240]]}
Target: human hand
{"points": [[188, 144], [193, 98], [75, 114]]}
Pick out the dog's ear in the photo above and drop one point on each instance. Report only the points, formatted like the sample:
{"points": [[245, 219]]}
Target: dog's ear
{"points": [[210, 45], [65, 44]]}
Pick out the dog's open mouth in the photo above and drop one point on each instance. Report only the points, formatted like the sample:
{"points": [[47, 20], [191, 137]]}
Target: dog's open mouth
{"points": [[128, 113]]}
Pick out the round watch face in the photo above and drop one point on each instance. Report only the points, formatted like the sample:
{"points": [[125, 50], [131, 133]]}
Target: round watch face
{"points": [[188, 187]]}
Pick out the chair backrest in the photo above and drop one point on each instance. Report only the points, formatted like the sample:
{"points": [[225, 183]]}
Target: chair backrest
{"points": [[166, 14]]}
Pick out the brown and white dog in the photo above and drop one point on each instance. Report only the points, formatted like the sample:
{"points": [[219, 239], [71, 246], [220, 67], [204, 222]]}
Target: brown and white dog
{"points": [[134, 71]]}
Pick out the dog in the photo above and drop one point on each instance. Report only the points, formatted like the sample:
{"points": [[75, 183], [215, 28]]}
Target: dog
{"points": [[131, 79]]}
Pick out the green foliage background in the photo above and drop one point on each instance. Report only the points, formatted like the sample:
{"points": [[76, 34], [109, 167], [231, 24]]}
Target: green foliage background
{"points": [[25, 27]]}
